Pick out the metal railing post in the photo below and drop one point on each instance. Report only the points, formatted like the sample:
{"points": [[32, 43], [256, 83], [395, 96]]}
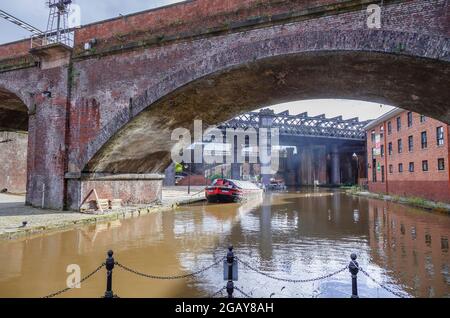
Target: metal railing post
{"points": [[230, 260], [109, 268], [353, 267]]}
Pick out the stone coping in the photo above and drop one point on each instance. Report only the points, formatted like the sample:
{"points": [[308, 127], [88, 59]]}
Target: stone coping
{"points": [[411, 201], [113, 177]]}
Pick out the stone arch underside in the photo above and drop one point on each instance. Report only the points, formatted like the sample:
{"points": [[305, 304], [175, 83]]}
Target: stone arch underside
{"points": [[364, 66], [13, 112]]}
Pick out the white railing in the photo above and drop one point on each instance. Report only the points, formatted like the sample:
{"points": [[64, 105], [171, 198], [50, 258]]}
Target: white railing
{"points": [[54, 37]]}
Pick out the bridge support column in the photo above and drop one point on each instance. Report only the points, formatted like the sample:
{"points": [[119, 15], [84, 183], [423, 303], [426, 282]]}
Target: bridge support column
{"points": [[47, 146], [335, 166], [169, 179], [291, 164], [130, 188]]}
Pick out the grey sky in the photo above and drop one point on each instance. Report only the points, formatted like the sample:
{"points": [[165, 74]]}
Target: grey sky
{"points": [[35, 13]]}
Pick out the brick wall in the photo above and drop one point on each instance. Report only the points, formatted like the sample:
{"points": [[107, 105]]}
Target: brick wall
{"points": [[433, 184], [130, 189], [15, 49], [190, 15], [203, 16], [13, 161], [102, 87]]}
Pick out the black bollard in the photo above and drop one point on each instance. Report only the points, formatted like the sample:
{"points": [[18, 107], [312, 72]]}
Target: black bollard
{"points": [[109, 268], [353, 267], [230, 261]]}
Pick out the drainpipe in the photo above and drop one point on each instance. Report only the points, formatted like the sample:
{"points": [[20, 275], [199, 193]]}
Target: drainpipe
{"points": [[43, 196], [386, 152]]}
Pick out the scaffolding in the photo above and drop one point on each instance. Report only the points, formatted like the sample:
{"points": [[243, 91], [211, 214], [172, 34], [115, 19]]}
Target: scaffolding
{"points": [[58, 30]]}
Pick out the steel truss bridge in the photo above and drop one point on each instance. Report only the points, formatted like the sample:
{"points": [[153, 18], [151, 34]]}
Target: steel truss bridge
{"points": [[300, 125]]}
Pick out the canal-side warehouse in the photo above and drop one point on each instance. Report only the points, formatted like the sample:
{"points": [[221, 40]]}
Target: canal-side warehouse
{"points": [[408, 155]]}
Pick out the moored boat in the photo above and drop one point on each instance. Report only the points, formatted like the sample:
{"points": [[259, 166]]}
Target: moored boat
{"points": [[228, 190]]}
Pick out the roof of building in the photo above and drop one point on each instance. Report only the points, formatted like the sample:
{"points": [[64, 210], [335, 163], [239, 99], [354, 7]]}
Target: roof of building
{"points": [[384, 117]]}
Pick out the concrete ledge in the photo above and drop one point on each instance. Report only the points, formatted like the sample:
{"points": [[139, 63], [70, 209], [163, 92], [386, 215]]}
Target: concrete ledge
{"points": [[82, 220], [411, 201], [113, 177]]}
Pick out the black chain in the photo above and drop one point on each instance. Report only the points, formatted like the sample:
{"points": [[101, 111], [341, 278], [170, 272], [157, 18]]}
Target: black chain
{"points": [[170, 277], [81, 281], [292, 280], [242, 292], [382, 285], [220, 291]]}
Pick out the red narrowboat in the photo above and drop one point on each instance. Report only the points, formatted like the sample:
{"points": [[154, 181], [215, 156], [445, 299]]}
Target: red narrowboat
{"points": [[227, 190]]}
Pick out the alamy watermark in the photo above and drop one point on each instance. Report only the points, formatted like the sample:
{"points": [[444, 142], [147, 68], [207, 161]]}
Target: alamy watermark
{"points": [[217, 146], [374, 18], [73, 280], [74, 20]]}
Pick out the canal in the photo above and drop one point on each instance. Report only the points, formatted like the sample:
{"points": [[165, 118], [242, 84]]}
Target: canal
{"points": [[296, 234]]}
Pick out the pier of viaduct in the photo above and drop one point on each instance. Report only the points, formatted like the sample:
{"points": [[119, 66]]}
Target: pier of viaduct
{"points": [[100, 114]]}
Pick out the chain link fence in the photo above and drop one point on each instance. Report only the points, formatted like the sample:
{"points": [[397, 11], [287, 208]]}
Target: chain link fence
{"points": [[242, 292], [230, 259], [382, 285], [217, 293], [290, 280], [169, 277]]}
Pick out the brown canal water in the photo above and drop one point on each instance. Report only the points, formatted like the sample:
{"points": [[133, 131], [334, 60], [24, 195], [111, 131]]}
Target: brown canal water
{"points": [[295, 234]]}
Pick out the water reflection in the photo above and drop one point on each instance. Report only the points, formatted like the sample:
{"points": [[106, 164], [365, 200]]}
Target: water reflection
{"points": [[296, 234]]}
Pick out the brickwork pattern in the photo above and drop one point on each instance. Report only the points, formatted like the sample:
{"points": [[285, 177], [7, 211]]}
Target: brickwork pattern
{"points": [[433, 184]]}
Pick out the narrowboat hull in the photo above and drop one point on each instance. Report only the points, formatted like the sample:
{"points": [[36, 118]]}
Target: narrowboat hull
{"points": [[226, 195], [222, 198]]}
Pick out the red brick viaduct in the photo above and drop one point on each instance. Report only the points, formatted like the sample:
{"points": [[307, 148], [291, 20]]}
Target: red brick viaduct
{"points": [[108, 111]]}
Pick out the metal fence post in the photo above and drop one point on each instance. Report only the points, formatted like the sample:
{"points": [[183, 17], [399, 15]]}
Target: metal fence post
{"points": [[109, 268], [230, 260], [353, 267]]}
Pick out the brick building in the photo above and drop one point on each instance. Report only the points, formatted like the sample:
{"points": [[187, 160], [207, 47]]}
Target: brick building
{"points": [[408, 155]]}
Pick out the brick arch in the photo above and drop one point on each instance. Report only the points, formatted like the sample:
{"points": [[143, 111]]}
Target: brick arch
{"points": [[379, 66], [13, 109]]}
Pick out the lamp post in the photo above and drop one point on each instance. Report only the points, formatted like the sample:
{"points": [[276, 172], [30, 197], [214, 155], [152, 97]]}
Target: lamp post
{"points": [[185, 167], [355, 156]]}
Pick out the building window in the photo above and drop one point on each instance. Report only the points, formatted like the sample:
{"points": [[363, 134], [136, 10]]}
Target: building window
{"points": [[400, 167], [441, 164], [389, 128], [390, 148], [411, 167], [399, 123], [440, 135], [391, 169], [382, 150], [382, 173], [423, 118], [373, 152], [373, 136], [425, 165], [410, 119], [410, 144], [400, 146], [423, 137]]}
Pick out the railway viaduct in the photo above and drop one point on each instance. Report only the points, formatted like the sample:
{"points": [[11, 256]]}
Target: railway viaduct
{"points": [[100, 114]]}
